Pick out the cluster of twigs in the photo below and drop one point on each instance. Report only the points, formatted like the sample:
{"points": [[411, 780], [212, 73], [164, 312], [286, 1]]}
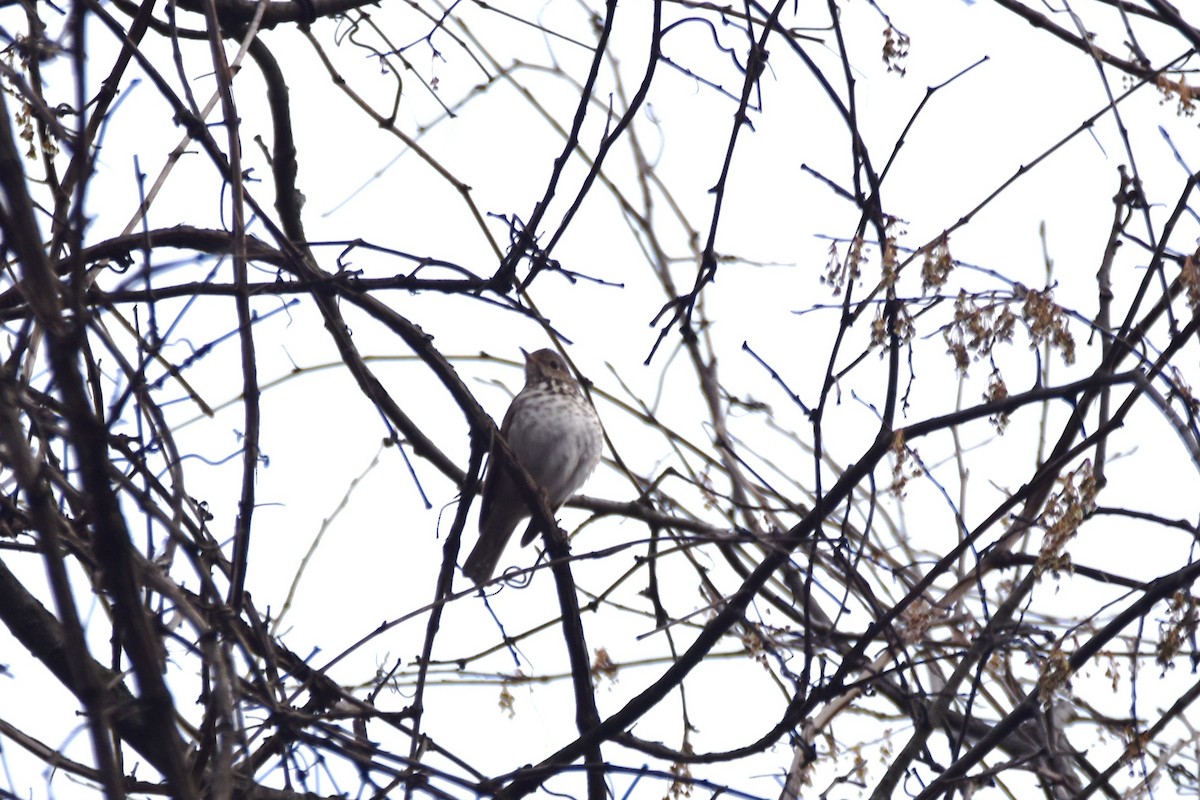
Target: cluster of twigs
{"points": [[911, 648]]}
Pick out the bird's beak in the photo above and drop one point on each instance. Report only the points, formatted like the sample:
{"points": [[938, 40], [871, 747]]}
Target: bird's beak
{"points": [[525, 353]]}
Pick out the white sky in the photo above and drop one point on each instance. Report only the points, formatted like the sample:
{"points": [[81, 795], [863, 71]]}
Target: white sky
{"points": [[377, 560]]}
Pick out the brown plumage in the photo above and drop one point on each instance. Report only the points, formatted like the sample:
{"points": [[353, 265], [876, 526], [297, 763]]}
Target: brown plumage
{"points": [[555, 434]]}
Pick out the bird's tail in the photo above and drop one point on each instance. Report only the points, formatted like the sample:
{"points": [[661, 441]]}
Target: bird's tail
{"points": [[481, 564]]}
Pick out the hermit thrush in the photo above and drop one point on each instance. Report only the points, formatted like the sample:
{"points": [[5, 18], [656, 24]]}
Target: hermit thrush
{"points": [[555, 435]]}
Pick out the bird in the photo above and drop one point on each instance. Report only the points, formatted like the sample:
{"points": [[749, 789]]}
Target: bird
{"points": [[554, 433]]}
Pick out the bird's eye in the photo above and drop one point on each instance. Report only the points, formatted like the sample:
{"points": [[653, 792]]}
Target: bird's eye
{"points": [[554, 363]]}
